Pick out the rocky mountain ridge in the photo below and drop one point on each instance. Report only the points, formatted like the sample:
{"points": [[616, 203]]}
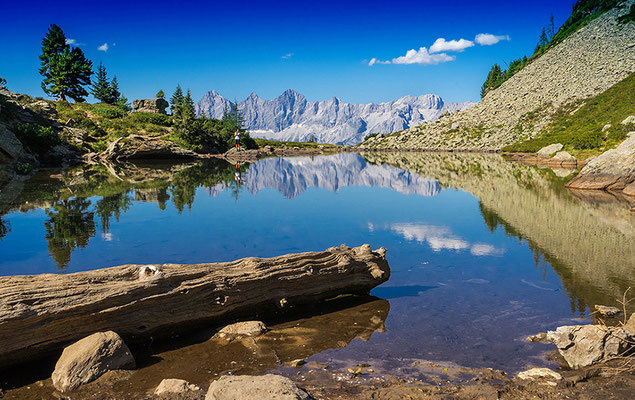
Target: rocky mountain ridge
{"points": [[291, 117], [587, 63]]}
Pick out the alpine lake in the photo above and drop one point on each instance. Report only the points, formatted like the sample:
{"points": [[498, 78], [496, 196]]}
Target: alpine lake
{"points": [[483, 253]]}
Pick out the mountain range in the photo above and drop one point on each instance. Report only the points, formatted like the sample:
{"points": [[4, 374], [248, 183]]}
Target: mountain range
{"points": [[291, 117]]}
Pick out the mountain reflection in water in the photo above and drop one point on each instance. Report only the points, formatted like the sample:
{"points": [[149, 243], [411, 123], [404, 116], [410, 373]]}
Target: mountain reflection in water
{"points": [[483, 252]]}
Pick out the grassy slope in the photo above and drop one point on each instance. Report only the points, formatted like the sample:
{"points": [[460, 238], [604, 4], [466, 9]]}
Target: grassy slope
{"points": [[581, 131]]}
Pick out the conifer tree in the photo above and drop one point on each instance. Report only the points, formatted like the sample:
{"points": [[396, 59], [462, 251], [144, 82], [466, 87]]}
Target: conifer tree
{"points": [[236, 115], [65, 70], [176, 100], [101, 87], [187, 110], [113, 93], [160, 94], [3, 82]]}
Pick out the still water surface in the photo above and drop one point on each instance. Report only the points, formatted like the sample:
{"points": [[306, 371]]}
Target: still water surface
{"points": [[483, 252]]}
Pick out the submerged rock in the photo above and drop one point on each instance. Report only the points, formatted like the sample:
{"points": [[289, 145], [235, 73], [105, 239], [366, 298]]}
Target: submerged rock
{"points": [[584, 345], [171, 386], [548, 151], [550, 377], [242, 329], [89, 358], [274, 387], [606, 310]]}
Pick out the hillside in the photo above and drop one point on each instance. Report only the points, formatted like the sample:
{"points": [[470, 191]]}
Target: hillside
{"points": [[585, 64], [291, 117]]}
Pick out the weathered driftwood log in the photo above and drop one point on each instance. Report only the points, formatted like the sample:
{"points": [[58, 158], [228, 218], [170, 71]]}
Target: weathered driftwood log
{"points": [[40, 313]]}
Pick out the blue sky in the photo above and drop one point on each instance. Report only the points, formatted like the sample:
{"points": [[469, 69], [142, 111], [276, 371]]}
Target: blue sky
{"points": [[321, 48]]}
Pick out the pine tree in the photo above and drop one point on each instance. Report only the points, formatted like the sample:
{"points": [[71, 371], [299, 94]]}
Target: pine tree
{"points": [[3, 82], [187, 110], [160, 94], [236, 115], [101, 87], [176, 100], [113, 93], [122, 102], [494, 79], [552, 27], [66, 71]]}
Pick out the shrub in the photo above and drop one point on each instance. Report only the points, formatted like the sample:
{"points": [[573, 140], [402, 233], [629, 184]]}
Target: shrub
{"points": [[22, 168], [108, 111], [152, 118], [38, 139]]}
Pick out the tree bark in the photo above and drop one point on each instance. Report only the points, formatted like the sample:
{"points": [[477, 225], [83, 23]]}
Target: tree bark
{"points": [[42, 313]]}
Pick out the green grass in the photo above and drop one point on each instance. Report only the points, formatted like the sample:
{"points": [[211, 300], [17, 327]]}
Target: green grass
{"points": [[581, 131], [305, 145]]}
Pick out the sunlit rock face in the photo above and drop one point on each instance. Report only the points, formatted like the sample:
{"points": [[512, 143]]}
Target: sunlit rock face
{"points": [[291, 117], [293, 176]]}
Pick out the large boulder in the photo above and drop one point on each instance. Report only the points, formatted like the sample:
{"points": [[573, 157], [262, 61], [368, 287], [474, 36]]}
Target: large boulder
{"points": [[584, 345], [89, 358], [267, 387], [142, 147], [11, 146], [564, 157], [613, 169], [548, 151], [150, 105]]}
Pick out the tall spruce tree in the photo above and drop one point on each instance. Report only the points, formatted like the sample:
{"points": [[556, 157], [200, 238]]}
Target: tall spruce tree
{"points": [[113, 93], [176, 100], [187, 109], [101, 87], [65, 70]]}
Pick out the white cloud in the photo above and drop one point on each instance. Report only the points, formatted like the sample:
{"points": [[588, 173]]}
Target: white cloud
{"points": [[441, 44], [487, 39], [421, 56], [287, 56], [72, 41], [104, 47]]}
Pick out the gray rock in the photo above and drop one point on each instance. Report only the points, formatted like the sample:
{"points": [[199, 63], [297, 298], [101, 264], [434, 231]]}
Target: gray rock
{"points": [[606, 127], [584, 345], [564, 157], [141, 147], [267, 387], [89, 358], [242, 329], [548, 151], [630, 120], [606, 310], [173, 386], [614, 169], [150, 105], [630, 325], [11, 145], [545, 374]]}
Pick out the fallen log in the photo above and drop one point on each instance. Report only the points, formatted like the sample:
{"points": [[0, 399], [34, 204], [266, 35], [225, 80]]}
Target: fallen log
{"points": [[42, 313]]}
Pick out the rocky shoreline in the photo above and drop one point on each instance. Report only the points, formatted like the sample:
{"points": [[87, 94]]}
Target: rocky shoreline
{"points": [[101, 366]]}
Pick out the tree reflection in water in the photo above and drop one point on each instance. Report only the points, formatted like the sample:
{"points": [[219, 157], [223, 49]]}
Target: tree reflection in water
{"points": [[5, 227], [70, 225]]}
